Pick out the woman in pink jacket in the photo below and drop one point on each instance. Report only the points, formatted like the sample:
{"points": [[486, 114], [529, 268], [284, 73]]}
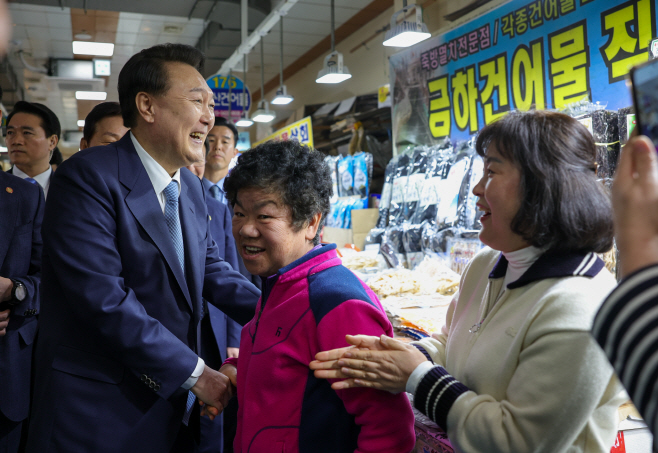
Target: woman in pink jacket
{"points": [[280, 195]]}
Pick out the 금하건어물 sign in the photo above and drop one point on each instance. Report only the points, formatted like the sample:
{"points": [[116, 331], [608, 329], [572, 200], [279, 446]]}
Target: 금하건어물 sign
{"points": [[524, 54]]}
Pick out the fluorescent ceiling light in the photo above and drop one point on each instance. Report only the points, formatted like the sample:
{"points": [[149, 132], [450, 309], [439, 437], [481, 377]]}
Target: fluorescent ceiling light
{"points": [[406, 34], [81, 123], [90, 95], [244, 122], [333, 70], [3, 149], [282, 97], [406, 39], [263, 114], [332, 78], [103, 49]]}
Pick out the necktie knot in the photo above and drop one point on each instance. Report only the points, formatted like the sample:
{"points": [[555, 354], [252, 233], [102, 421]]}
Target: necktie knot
{"points": [[171, 192], [31, 180], [214, 191]]}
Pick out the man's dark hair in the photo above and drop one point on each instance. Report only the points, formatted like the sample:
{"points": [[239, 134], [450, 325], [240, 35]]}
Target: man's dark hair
{"points": [[56, 158], [49, 121], [146, 71], [221, 121], [101, 111], [563, 206], [302, 179]]}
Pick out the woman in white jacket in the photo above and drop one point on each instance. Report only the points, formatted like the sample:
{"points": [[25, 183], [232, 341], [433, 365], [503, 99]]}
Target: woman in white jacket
{"points": [[515, 368]]}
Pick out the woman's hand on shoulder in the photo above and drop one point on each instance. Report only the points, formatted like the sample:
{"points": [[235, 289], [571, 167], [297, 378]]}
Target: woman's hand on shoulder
{"points": [[381, 363]]}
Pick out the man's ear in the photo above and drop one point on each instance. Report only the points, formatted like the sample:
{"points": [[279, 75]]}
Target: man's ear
{"points": [[52, 143], [83, 143], [145, 106]]}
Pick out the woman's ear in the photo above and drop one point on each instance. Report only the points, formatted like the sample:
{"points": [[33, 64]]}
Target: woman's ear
{"points": [[313, 225]]}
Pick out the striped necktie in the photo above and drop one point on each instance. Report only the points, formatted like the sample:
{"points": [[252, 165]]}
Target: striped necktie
{"points": [[173, 223]]}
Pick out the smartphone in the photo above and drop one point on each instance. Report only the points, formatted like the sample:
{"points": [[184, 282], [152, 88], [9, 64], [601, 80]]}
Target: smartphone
{"points": [[644, 80]]}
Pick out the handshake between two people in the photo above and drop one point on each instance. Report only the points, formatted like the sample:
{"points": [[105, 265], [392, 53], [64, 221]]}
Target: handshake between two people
{"points": [[214, 389]]}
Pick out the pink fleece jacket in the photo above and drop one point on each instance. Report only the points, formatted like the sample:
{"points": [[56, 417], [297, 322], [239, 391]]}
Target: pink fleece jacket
{"points": [[307, 307]]}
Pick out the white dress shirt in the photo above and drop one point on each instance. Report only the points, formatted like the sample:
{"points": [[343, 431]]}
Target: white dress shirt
{"points": [[43, 179], [160, 179]]}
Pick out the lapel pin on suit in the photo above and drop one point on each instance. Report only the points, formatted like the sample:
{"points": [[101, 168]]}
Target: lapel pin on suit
{"points": [[9, 190]]}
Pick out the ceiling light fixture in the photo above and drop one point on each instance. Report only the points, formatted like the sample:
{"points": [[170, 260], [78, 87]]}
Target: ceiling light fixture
{"points": [[333, 70], [102, 49], [90, 95], [81, 123], [84, 35], [406, 33], [282, 97], [263, 113]]}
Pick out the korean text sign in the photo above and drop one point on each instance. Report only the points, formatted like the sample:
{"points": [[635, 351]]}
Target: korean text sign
{"points": [[523, 54], [225, 87], [302, 131]]}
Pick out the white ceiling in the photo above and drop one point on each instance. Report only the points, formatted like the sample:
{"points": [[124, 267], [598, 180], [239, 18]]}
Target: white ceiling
{"points": [[44, 32]]}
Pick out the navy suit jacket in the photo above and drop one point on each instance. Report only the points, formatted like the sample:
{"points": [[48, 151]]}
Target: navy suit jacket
{"points": [[226, 331], [119, 323], [21, 213]]}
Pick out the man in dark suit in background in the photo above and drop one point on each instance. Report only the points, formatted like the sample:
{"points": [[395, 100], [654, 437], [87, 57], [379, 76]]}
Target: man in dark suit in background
{"points": [[220, 335], [127, 260], [103, 125], [21, 212], [33, 132]]}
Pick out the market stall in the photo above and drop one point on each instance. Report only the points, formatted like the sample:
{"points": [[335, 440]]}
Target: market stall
{"points": [[567, 56]]}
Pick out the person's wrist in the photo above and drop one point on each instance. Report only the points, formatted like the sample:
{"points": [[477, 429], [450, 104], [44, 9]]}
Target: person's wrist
{"points": [[7, 294], [636, 253]]}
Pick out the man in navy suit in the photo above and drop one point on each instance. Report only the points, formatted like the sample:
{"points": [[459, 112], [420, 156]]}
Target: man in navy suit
{"points": [[128, 259], [33, 132], [21, 208], [220, 335]]}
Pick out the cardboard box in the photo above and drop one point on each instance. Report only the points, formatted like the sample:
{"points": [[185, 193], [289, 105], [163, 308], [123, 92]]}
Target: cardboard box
{"points": [[363, 220]]}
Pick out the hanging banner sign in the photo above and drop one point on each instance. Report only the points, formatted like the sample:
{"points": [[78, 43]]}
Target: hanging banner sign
{"points": [[524, 54], [302, 131], [221, 87]]}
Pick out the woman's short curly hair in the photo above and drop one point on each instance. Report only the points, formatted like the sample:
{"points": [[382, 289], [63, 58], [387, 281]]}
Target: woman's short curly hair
{"points": [[297, 173], [563, 206]]}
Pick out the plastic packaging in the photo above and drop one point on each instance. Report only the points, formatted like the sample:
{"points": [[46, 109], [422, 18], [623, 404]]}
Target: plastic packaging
{"points": [[604, 127], [396, 209], [627, 122], [332, 161], [387, 192], [345, 176], [362, 164]]}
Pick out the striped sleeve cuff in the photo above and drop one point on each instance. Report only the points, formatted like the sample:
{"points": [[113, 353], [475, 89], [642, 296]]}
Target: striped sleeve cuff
{"points": [[425, 353], [436, 393]]}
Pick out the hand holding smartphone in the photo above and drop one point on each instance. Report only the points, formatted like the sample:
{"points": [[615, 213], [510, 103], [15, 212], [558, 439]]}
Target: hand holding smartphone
{"points": [[645, 97]]}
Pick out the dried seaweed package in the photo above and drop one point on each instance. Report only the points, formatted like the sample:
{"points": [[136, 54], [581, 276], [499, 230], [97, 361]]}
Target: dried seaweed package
{"points": [[604, 126], [439, 159], [420, 160], [374, 236], [387, 191], [468, 212], [393, 237], [396, 209], [626, 121], [331, 163], [448, 206], [412, 243], [345, 176], [435, 240]]}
